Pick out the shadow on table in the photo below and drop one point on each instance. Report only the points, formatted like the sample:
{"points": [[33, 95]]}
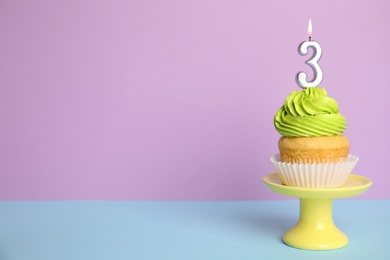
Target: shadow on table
{"points": [[269, 223], [251, 217]]}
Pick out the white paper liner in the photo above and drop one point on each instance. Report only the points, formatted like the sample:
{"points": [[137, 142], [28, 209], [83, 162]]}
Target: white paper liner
{"points": [[320, 175]]}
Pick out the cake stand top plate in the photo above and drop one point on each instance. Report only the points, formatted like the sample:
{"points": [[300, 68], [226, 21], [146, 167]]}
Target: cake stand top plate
{"points": [[354, 186]]}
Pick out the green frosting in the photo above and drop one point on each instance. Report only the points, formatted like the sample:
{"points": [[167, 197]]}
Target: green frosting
{"points": [[309, 112]]}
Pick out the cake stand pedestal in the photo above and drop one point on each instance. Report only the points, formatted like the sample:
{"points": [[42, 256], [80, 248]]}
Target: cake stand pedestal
{"points": [[315, 229]]}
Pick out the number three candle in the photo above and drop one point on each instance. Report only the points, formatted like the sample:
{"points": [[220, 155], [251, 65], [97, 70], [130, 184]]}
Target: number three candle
{"points": [[312, 62]]}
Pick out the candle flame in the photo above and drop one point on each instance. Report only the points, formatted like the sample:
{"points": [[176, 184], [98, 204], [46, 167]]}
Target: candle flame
{"points": [[309, 29]]}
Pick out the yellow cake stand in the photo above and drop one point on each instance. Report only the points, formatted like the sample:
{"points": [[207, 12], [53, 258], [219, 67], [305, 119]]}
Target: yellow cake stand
{"points": [[315, 229]]}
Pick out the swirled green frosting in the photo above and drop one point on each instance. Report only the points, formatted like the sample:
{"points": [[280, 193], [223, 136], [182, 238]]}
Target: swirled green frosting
{"points": [[309, 112]]}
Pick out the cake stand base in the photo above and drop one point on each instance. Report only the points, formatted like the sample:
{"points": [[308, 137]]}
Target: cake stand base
{"points": [[315, 229]]}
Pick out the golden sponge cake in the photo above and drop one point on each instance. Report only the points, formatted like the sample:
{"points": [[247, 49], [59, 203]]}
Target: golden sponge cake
{"points": [[313, 149]]}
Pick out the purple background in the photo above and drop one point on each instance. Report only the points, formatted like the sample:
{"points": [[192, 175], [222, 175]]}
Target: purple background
{"points": [[174, 100]]}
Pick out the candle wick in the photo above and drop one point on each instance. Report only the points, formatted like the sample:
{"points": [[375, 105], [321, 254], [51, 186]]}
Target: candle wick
{"points": [[310, 38]]}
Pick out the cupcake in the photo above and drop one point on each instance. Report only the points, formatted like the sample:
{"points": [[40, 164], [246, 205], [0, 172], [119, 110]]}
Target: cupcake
{"points": [[313, 152]]}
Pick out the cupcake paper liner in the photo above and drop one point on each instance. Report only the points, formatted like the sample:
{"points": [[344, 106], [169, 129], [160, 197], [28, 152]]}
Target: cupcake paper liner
{"points": [[315, 160], [318, 175]]}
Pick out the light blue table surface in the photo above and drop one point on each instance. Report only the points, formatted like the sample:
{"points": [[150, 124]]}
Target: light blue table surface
{"points": [[181, 230]]}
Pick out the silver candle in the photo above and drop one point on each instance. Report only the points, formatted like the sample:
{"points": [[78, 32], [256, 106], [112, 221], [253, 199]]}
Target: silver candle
{"points": [[312, 62]]}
